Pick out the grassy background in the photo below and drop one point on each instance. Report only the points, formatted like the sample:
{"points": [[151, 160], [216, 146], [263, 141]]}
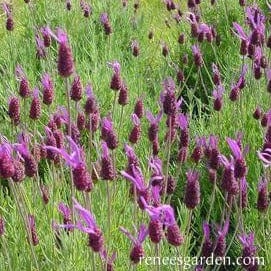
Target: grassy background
{"points": [[143, 75]]}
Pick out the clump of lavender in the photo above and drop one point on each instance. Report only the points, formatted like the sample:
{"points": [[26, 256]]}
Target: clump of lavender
{"points": [[136, 131], [207, 247], [48, 89], [197, 152], [106, 23], [109, 261], [137, 251], [40, 48]]}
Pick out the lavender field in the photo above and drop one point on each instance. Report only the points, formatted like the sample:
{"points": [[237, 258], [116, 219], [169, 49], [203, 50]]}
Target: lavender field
{"points": [[135, 135]]}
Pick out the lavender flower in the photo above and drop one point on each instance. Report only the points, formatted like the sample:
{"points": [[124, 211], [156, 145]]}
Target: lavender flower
{"points": [[33, 231], [218, 95], [107, 168], [66, 213], [137, 251], [24, 89], [136, 131], [91, 103], [109, 261], [48, 89], [7, 168], [220, 246], [14, 110], [154, 125], [192, 190], [263, 198], [106, 23], [108, 133], [81, 177], [198, 60], [116, 81], [207, 247], [35, 107]]}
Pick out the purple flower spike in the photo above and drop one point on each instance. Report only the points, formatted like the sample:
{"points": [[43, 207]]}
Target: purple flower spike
{"points": [[137, 251], [104, 18], [183, 121], [240, 32], [235, 148], [65, 211], [109, 261], [135, 120], [136, 178], [7, 9]]}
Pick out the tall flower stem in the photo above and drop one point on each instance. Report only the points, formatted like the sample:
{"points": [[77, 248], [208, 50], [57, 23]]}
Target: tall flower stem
{"points": [[24, 220], [212, 201], [109, 207], [157, 255], [168, 158], [69, 134], [114, 105]]}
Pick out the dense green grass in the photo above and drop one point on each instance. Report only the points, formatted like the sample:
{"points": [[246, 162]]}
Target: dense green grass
{"points": [[143, 75]]}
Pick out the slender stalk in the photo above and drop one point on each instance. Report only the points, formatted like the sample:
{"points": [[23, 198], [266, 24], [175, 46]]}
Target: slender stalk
{"points": [[168, 157], [157, 255], [114, 105], [109, 207]]}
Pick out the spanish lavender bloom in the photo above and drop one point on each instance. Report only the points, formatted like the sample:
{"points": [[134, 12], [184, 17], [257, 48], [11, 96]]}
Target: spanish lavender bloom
{"points": [[65, 63], [66, 213], [229, 182], [109, 261], [137, 251], [157, 176], [91, 103], [116, 81], [180, 76], [123, 94], [135, 48], [68, 4], [35, 107], [14, 110], [32, 226], [139, 108], [192, 190], [108, 133], [240, 168], [137, 180], [220, 245], [165, 49], [198, 60], [86, 8], [257, 113], [171, 185], [30, 163], [50, 140], [45, 194], [19, 171], [207, 247], [81, 177], [198, 150], [131, 157], [9, 23], [263, 198], [136, 131], [48, 89], [81, 121], [24, 89], [88, 225], [76, 89], [183, 124], [168, 98], [107, 167], [154, 125], [7, 168], [248, 251], [181, 38], [40, 48], [218, 95], [45, 31], [106, 23]]}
